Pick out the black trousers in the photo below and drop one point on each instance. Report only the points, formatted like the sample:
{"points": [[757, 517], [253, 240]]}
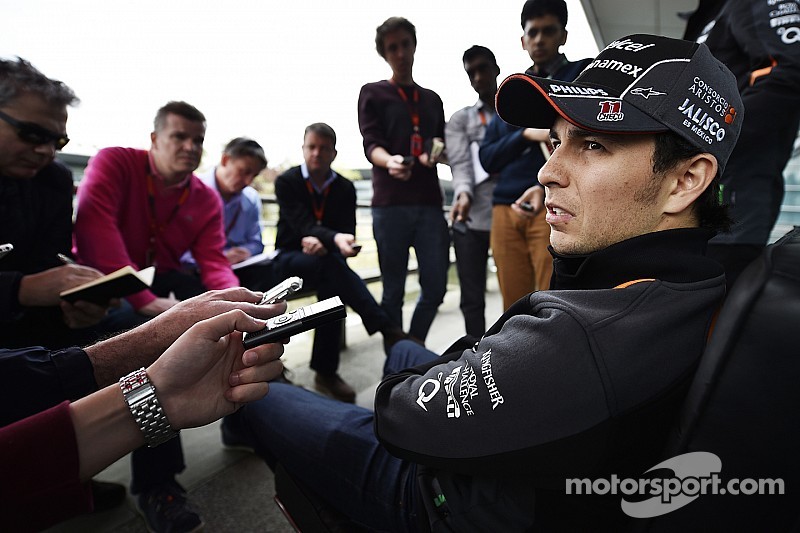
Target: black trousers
{"points": [[330, 276], [472, 252]]}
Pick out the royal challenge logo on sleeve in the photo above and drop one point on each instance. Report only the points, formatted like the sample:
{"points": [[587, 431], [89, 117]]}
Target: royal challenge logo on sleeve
{"points": [[706, 113]]}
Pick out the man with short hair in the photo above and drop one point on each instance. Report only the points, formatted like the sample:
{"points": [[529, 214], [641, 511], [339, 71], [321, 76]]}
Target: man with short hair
{"points": [[399, 122], [242, 160], [316, 233], [519, 235], [143, 208], [36, 215], [471, 214], [580, 381]]}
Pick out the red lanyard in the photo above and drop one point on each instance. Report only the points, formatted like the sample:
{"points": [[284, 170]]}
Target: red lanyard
{"points": [[482, 116], [319, 210], [155, 228], [413, 110]]}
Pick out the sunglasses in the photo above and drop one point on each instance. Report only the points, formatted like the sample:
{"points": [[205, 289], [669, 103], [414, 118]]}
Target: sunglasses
{"points": [[35, 134]]}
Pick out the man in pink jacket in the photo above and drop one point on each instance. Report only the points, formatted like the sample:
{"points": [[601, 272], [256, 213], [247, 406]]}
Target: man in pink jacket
{"points": [[146, 208], [143, 208]]}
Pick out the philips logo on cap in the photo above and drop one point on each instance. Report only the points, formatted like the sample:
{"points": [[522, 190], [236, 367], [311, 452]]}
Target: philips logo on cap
{"points": [[558, 90]]}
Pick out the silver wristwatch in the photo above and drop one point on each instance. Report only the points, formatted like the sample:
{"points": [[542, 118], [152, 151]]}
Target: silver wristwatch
{"points": [[140, 395]]}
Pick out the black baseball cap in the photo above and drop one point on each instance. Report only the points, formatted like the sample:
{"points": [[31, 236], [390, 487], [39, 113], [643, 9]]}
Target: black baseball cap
{"points": [[637, 84]]}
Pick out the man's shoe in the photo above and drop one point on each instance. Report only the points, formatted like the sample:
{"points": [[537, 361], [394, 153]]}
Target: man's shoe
{"points": [[107, 495], [335, 386], [391, 336], [165, 510]]}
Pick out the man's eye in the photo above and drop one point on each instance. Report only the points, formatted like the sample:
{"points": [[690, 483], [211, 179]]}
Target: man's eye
{"points": [[594, 145], [555, 143]]}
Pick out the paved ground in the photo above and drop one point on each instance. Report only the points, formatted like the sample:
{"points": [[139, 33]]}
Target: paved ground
{"points": [[233, 490]]}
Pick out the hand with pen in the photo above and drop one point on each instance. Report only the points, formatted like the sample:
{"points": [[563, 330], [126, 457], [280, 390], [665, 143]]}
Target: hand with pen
{"points": [[43, 288]]}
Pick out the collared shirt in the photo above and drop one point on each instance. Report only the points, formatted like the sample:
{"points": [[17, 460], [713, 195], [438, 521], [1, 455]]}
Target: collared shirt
{"points": [[463, 135], [241, 216], [160, 179], [307, 177]]}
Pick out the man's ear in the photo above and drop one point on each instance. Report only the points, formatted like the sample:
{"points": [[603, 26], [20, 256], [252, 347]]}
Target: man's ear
{"points": [[688, 180], [564, 40], [153, 138], [224, 160]]}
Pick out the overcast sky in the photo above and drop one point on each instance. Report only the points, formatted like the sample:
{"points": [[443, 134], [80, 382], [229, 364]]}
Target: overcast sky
{"points": [[257, 68]]}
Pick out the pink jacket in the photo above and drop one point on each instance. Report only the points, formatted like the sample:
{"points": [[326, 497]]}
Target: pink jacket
{"points": [[112, 225]]}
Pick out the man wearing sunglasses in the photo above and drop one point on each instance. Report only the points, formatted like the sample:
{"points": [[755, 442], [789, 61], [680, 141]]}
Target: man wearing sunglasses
{"points": [[36, 215]]}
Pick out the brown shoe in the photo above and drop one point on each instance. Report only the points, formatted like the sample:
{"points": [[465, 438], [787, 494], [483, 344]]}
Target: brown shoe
{"points": [[334, 386]]}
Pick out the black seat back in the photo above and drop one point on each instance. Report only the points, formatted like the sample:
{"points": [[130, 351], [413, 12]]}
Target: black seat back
{"points": [[744, 403]]}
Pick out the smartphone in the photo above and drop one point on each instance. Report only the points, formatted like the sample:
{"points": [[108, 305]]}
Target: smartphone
{"points": [[299, 320], [5, 249], [526, 206], [436, 148], [459, 226], [409, 159], [282, 290], [356, 248]]}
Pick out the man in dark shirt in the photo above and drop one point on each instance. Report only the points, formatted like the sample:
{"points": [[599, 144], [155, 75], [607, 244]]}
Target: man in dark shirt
{"points": [[36, 215], [316, 233], [400, 122]]}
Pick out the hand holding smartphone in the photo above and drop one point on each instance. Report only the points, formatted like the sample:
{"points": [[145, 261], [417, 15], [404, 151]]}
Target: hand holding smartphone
{"points": [[299, 320]]}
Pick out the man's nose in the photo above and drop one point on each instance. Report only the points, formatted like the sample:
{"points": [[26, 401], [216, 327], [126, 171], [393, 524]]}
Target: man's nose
{"points": [[552, 172], [47, 149]]}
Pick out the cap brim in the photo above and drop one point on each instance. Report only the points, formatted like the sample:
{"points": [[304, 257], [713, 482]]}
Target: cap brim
{"points": [[531, 102]]}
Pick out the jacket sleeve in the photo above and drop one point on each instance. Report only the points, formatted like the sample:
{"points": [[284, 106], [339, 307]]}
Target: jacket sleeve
{"points": [[458, 153], [489, 410], [771, 43], [501, 146], [34, 379], [39, 462]]}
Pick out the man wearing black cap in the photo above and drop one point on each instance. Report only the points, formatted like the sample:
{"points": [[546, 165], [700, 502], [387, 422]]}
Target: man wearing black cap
{"points": [[580, 381]]}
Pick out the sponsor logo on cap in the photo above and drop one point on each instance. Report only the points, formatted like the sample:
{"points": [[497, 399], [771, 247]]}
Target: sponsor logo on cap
{"points": [[627, 44], [613, 64], [557, 90], [700, 122], [610, 111], [646, 92]]}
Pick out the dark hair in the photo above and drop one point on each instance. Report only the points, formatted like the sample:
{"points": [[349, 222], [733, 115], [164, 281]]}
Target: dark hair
{"points": [[17, 77], [182, 109], [320, 128], [389, 25], [244, 147], [539, 8], [670, 149], [476, 51]]}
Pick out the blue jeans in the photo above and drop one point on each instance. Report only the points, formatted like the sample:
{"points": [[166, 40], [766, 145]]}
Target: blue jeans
{"points": [[331, 447], [396, 229]]}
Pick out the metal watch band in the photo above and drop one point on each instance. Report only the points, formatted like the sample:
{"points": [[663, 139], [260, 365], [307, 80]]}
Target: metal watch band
{"points": [[140, 395]]}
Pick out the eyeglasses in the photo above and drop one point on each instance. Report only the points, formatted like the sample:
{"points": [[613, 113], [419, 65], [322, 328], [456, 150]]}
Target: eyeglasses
{"points": [[35, 134]]}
